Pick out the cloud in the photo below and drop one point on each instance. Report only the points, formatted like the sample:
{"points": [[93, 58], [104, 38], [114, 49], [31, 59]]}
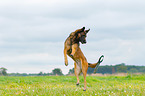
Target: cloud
{"points": [[32, 32]]}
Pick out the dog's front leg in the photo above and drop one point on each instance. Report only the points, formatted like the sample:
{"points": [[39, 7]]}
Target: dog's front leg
{"points": [[74, 49], [65, 56]]}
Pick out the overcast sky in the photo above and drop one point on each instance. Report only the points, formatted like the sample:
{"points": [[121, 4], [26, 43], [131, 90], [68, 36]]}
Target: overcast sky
{"points": [[32, 32]]}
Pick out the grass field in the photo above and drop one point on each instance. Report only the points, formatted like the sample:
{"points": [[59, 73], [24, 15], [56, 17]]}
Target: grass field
{"points": [[66, 86]]}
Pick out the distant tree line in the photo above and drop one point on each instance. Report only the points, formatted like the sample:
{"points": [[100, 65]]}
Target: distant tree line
{"points": [[110, 69], [56, 71], [119, 68]]}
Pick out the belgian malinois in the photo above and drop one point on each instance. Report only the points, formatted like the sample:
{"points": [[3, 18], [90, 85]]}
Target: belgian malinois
{"points": [[72, 49]]}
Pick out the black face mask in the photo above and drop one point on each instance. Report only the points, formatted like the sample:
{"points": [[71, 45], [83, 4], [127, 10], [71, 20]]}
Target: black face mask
{"points": [[83, 39]]}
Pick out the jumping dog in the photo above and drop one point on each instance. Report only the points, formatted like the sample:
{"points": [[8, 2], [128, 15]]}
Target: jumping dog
{"points": [[72, 49]]}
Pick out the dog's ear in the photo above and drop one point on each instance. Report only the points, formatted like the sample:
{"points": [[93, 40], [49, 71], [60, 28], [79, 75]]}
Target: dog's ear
{"points": [[87, 30], [83, 28], [80, 30]]}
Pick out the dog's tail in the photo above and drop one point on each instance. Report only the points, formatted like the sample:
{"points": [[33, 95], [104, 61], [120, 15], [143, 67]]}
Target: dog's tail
{"points": [[96, 65]]}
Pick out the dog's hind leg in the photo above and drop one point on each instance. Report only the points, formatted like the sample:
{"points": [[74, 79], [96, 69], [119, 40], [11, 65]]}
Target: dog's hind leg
{"points": [[84, 70], [77, 70]]}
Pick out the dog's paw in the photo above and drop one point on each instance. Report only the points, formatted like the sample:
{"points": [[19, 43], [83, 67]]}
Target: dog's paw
{"points": [[77, 84], [66, 64], [71, 55], [84, 89]]}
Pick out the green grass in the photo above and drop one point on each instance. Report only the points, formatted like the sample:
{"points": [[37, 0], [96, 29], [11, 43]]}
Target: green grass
{"points": [[66, 86]]}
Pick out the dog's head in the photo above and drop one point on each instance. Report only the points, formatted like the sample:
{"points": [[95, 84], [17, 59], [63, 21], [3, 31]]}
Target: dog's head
{"points": [[82, 36]]}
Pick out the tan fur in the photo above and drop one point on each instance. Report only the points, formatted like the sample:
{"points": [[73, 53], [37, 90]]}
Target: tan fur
{"points": [[72, 49]]}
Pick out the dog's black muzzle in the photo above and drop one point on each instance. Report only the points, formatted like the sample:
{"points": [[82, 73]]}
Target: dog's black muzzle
{"points": [[84, 42]]}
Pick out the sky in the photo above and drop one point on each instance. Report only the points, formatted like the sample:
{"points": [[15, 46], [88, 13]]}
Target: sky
{"points": [[32, 32]]}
